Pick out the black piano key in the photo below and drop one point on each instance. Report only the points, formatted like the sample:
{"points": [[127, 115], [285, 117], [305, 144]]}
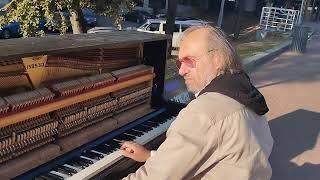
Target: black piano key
{"points": [[77, 163], [44, 177], [84, 164], [72, 171], [150, 124], [103, 149], [161, 120], [124, 137], [92, 155], [160, 117], [151, 121], [135, 133], [86, 161], [62, 170], [147, 127], [113, 144], [141, 128], [54, 176]]}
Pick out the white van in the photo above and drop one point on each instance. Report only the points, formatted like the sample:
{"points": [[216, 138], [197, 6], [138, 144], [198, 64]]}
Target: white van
{"points": [[159, 26]]}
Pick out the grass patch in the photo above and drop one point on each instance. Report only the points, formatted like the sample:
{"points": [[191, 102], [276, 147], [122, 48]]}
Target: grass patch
{"points": [[252, 48]]}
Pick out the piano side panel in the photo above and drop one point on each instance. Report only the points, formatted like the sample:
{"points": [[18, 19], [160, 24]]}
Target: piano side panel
{"points": [[155, 54]]}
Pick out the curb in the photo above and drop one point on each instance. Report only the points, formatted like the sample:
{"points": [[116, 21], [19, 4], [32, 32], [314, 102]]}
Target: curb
{"points": [[252, 62]]}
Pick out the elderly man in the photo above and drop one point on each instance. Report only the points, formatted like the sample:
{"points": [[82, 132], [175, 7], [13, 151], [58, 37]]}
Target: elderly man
{"points": [[220, 135]]}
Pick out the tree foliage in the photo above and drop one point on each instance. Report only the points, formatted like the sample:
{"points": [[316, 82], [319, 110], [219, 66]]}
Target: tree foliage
{"points": [[29, 13]]}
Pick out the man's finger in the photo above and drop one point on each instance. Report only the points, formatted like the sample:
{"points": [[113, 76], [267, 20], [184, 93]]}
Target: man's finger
{"points": [[129, 150], [127, 154], [125, 144]]}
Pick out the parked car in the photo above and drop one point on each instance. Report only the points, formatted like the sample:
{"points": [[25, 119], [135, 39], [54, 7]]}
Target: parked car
{"points": [[109, 29], [101, 29], [90, 17], [88, 14], [137, 16], [158, 26], [178, 18], [13, 29], [9, 30]]}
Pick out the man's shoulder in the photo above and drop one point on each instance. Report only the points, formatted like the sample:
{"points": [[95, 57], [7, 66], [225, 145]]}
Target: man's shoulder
{"points": [[215, 104]]}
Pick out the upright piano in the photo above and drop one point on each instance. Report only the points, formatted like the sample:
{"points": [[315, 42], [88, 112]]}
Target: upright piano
{"points": [[67, 102]]}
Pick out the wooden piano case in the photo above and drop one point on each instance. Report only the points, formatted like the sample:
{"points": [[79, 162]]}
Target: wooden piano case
{"points": [[58, 93]]}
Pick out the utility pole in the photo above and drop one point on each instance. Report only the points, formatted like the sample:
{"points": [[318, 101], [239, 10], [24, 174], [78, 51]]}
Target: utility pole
{"points": [[171, 16], [301, 11], [236, 29], [220, 19], [170, 22]]}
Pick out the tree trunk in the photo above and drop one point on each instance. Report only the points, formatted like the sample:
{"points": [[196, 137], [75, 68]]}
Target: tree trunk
{"points": [[77, 21], [236, 29]]}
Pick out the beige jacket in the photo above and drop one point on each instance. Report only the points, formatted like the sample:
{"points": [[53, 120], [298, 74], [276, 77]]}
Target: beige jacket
{"points": [[213, 138]]}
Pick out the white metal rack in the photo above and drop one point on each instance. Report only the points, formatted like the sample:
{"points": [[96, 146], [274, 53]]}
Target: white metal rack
{"points": [[278, 19]]}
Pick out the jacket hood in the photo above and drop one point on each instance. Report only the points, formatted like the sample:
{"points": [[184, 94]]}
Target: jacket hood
{"points": [[238, 87]]}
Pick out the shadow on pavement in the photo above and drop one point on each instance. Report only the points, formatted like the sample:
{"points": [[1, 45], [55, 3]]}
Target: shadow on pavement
{"points": [[295, 133]]}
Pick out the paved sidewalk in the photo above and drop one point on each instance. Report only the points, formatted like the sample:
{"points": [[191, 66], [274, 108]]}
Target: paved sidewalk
{"points": [[291, 86]]}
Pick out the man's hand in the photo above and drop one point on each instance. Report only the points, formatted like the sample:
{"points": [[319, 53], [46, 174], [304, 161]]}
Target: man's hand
{"points": [[135, 151]]}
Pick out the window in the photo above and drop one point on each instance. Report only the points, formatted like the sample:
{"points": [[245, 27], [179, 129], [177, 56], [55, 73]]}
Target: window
{"points": [[176, 27], [184, 27], [153, 27], [143, 26]]}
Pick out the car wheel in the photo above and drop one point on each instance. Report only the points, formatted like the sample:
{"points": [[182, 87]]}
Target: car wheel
{"points": [[6, 34]]}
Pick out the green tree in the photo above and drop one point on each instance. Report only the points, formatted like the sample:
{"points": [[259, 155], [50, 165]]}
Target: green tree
{"points": [[29, 13]]}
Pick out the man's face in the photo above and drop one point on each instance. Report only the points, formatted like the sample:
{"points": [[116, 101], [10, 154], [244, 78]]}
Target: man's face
{"points": [[196, 63]]}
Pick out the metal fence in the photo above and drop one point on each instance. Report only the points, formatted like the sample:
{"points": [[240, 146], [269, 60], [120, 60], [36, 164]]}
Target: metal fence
{"points": [[278, 19]]}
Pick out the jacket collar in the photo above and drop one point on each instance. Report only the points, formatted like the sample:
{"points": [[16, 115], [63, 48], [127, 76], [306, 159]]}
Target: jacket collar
{"points": [[238, 87]]}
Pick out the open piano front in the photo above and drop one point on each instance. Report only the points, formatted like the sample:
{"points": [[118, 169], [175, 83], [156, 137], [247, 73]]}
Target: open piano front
{"points": [[66, 102]]}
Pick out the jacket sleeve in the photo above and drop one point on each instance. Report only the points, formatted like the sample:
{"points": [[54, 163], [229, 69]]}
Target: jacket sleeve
{"points": [[190, 140]]}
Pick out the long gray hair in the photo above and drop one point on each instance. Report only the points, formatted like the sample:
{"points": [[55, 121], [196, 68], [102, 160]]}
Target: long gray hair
{"points": [[217, 41]]}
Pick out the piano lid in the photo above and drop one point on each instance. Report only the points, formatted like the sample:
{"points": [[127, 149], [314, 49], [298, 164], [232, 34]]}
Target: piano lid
{"points": [[49, 45]]}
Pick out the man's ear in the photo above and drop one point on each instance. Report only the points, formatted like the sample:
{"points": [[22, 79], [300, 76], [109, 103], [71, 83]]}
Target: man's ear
{"points": [[218, 62]]}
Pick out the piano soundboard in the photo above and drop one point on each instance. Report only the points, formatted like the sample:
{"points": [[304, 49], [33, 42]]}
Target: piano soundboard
{"points": [[67, 102]]}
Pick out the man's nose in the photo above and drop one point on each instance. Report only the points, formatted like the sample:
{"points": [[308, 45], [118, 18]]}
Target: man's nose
{"points": [[183, 69]]}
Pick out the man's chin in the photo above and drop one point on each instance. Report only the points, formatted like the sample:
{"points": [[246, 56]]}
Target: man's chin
{"points": [[190, 89]]}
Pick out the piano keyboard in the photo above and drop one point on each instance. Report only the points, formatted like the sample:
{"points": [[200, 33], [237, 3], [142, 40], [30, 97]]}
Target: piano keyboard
{"points": [[94, 160]]}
